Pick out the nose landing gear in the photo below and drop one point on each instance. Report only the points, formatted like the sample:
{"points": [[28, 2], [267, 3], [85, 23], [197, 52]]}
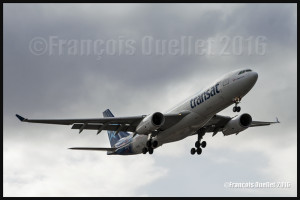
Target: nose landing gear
{"points": [[236, 108], [198, 143]]}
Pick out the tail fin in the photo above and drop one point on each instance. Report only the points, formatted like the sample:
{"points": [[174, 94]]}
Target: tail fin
{"points": [[113, 139]]}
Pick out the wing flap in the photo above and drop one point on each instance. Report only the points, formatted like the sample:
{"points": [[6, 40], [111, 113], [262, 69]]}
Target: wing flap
{"points": [[93, 149], [111, 127]]}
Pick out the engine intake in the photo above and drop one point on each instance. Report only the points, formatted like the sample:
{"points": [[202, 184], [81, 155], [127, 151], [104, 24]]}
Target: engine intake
{"points": [[245, 120], [238, 124], [158, 119], [150, 123]]}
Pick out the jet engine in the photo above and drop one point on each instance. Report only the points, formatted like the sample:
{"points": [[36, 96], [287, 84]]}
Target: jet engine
{"points": [[237, 124], [150, 123]]}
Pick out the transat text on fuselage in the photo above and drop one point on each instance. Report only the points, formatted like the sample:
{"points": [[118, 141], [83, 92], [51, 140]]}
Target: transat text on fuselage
{"points": [[205, 96]]}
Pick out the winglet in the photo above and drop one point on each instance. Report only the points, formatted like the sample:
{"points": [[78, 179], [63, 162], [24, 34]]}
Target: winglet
{"points": [[277, 120], [20, 118]]}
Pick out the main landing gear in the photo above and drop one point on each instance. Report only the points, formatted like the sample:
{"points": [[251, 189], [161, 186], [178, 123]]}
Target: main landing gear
{"points": [[150, 145], [236, 108], [198, 143]]}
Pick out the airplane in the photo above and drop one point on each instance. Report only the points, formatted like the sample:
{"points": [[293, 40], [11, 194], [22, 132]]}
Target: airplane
{"points": [[196, 115]]}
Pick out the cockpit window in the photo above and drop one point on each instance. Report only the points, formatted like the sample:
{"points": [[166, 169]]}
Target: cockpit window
{"points": [[241, 72], [247, 70]]}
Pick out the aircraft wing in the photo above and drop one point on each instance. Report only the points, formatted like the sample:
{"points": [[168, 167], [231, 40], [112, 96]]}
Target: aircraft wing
{"points": [[218, 122], [120, 120], [108, 123], [259, 123]]}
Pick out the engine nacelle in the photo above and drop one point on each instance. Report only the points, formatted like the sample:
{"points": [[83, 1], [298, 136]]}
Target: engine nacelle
{"points": [[150, 123], [237, 124]]}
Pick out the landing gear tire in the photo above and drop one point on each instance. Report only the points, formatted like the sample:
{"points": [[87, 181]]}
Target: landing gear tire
{"points": [[236, 109], [144, 150], [148, 144], [199, 151], [193, 151], [198, 144], [154, 144], [150, 151]]}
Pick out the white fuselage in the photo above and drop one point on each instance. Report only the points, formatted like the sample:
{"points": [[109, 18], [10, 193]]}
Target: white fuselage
{"points": [[202, 106]]}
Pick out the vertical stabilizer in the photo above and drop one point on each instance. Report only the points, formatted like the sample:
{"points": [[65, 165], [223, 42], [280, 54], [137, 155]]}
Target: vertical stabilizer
{"points": [[113, 139]]}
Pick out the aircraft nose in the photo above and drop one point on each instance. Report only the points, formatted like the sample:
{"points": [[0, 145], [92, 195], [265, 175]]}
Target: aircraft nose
{"points": [[253, 77]]}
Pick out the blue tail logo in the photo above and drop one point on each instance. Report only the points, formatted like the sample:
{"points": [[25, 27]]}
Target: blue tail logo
{"points": [[113, 139]]}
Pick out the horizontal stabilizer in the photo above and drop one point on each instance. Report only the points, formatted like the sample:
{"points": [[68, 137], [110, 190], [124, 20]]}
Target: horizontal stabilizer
{"points": [[93, 149]]}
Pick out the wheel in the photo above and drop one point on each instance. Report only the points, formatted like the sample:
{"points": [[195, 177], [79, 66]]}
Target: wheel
{"points": [[150, 151], [199, 151], [203, 144], [238, 109], [234, 109], [197, 144], [154, 144], [148, 144], [193, 151], [144, 150]]}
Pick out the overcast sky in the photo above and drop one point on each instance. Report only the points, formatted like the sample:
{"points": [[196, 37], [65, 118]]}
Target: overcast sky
{"points": [[124, 66]]}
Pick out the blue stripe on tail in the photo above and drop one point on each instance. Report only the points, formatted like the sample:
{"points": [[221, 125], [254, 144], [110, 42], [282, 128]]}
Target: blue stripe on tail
{"points": [[113, 139]]}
